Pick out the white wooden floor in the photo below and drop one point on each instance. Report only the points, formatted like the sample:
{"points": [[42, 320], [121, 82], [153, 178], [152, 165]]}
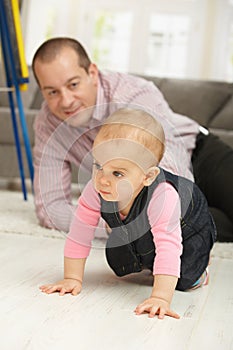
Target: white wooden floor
{"points": [[102, 316]]}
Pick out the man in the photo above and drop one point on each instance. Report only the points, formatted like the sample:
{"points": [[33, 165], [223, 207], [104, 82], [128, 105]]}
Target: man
{"points": [[78, 97]]}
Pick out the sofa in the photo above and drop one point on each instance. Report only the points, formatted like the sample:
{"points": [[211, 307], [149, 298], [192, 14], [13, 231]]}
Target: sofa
{"points": [[210, 103]]}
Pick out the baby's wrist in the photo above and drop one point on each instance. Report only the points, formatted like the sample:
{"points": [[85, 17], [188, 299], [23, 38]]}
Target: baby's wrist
{"points": [[164, 299], [73, 278]]}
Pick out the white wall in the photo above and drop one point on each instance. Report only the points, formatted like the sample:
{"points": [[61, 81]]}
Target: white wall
{"points": [[209, 50], [44, 19]]}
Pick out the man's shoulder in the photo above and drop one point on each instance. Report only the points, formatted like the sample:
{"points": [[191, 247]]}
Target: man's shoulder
{"points": [[117, 85], [124, 78]]}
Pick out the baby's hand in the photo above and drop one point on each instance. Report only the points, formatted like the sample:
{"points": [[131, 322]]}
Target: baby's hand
{"points": [[155, 306], [67, 285]]}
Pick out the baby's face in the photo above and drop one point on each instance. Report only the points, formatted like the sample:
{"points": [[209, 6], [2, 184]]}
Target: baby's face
{"points": [[118, 180], [120, 169]]}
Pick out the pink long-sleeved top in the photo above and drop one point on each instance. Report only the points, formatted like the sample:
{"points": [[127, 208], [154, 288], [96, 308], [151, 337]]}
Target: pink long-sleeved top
{"points": [[59, 145], [164, 217]]}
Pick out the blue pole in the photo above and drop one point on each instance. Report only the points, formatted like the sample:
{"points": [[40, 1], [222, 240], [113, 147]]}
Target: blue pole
{"points": [[11, 76], [11, 103], [25, 134], [18, 146]]}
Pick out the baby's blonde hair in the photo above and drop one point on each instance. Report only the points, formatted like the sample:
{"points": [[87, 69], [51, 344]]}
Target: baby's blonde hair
{"points": [[136, 125]]}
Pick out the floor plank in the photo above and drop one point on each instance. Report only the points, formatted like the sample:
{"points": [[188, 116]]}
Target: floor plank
{"points": [[102, 317]]}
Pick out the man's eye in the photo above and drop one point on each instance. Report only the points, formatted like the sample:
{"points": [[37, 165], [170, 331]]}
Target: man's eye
{"points": [[117, 174], [74, 85], [52, 93]]}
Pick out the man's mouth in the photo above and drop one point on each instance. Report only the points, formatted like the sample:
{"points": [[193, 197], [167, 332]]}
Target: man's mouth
{"points": [[73, 112]]}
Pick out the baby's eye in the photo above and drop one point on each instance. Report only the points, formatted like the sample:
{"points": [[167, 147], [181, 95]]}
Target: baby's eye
{"points": [[117, 173]]}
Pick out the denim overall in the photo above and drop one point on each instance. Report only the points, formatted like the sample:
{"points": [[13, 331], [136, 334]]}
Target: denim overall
{"points": [[130, 247]]}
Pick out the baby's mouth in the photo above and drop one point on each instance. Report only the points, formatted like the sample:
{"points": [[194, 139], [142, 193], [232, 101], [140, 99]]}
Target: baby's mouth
{"points": [[104, 192]]}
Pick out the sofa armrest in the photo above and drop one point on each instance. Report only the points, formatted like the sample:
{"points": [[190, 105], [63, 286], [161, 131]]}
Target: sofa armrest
{"points": [[6, 129]]}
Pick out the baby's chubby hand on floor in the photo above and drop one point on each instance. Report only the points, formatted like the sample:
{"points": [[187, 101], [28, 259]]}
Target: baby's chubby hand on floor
{"points": [[67, 285], [155, 306]]}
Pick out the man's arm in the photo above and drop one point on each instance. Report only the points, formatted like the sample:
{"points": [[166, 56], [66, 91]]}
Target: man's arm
{"points": [[180, 131], [52, 189], [52, 176]]}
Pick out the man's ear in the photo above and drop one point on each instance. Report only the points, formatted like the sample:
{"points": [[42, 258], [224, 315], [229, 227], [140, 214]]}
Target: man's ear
{"points": [[151, 175], [93, 73]]}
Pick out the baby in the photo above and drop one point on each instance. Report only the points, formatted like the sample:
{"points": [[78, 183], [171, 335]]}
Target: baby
{"points": [[158, 221]]}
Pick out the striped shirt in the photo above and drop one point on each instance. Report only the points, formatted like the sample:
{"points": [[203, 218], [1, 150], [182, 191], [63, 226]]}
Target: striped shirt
{"points": [[59, 145]]}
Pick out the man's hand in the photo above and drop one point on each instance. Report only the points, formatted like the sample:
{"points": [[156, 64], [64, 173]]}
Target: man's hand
{"points": [[68, 285], [155, 306]]}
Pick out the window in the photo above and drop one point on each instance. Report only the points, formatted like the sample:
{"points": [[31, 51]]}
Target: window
{"points": [[222, 50], [111, 42], [167, 46], [229, 72], [230, 46], [178, 38]]}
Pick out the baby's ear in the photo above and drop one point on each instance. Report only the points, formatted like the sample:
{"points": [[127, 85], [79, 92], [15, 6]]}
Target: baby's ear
{"points": [[151, 175]]}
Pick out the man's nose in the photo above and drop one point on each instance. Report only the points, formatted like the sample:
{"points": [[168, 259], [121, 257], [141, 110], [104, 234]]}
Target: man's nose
{"points": [[67, 98]]}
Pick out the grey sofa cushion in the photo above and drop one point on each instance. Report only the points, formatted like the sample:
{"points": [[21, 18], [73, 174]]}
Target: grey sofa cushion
{"points": [[27, 95], [6, 129], [199, 100], [224, 118]]}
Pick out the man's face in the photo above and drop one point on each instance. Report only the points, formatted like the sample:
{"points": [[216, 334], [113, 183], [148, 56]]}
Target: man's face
{"points": [[68, 89]]}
